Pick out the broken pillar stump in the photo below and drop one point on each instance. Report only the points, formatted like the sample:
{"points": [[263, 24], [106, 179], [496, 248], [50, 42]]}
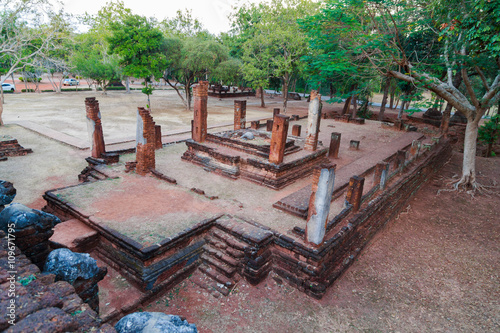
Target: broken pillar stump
{"points": [[354, 145], [240, 113], [80, 270], [399, 163], [296, 129], [94, 127], [334, 145], [380, 175], [319, 203], [255, 125], [159, 143], [145, 157], [355, 192], [278, 139], [200, 93], [313, 121], [269, 125]]}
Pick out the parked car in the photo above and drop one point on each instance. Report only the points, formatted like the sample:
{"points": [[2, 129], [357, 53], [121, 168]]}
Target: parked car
{"points": [[70, 82], [8, 87]]}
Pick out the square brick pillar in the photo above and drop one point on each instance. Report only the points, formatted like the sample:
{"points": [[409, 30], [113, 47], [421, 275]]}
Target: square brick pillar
{"points": [[319, 203], [240, 114], [255, 124], [278, 138], [355, 192], [269, 125], [145, 157], [158, 141], [380, 175], [399, 163], [333, 151], [146, 127], [200, 93], [296, 129], [94, 127], [313, 121]]}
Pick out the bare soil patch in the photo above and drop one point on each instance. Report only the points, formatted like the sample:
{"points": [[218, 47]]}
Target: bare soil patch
{"points": [[433, 269]]}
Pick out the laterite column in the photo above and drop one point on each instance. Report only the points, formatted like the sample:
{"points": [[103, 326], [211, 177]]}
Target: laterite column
{"points": [[319, 203], [313, 121], [278, 139], [94, 127], [200, 93], [355, 192], [240, 113], [334, 145]]}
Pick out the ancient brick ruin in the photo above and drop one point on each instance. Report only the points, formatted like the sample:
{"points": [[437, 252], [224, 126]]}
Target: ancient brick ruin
{"points": [[10, 147], [333, 214]]}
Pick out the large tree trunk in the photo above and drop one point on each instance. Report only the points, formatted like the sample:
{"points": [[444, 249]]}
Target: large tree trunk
{"points": [[187, 89], [346, 105], [468, 180], [262, 104], [384, 99], [392, 94], [127, 85], [354, 106], [445, 120], [285, 92]]}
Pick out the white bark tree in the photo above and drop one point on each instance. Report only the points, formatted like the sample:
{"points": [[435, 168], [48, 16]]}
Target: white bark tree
{"points": [[28, 29]]}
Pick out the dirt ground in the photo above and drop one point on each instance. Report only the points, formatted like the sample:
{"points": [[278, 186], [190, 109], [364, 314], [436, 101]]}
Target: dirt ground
{"points": [[434, 269]]}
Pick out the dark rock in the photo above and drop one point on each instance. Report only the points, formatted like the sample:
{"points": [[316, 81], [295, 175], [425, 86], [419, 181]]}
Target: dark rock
{"points": [[154, 322], [69, 266], [432, 113], [458, 117], [24, 217], [7, 192]]}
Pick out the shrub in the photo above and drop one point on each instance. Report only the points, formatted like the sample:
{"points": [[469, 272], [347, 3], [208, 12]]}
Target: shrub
{"points": [[489, 133]]}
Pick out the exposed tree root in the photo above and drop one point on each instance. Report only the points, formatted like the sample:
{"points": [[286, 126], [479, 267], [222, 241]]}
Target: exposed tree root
{"points": [[470, 187]]}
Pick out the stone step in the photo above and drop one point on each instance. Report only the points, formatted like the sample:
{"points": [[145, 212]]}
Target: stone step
{"points": [[219, 265], [97, 175], [75, 235], [230, 240], [214, 288], [215, 275], [221, 255]]}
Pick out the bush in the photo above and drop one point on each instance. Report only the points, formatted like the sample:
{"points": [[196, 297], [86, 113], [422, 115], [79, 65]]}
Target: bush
{"points": [[48, 90], [489, 133], [27, 90]]}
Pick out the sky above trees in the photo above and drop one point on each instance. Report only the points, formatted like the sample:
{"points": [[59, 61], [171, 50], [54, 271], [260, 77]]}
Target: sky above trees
{"points": [[212, 14]]}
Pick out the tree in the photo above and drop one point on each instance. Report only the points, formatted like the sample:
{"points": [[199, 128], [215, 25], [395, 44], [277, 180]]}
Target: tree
{"points": [[281, 40], [91, 60], [189, 60], [27, 30], [489, 133], [141, 47], [228, 72], [466, 39], [100, 30]]}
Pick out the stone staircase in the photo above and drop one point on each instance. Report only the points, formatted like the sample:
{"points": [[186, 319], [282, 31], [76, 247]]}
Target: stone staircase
{"points": [[233, 249], [221, 262]]}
